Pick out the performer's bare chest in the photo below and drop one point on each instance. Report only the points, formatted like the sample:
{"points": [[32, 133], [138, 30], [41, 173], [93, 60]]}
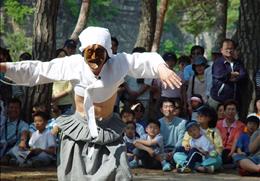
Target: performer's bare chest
{"points": [[102, 110]]}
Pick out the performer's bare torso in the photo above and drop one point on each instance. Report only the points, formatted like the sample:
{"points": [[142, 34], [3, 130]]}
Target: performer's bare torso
{"points": [[102, 110]]}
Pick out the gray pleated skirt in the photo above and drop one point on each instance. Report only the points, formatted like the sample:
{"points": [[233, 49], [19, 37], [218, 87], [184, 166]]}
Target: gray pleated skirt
{"points": [[83, 158]]}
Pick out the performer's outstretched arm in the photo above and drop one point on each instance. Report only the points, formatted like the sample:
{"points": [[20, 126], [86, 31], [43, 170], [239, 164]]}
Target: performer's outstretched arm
{"points": [[34, 72]]}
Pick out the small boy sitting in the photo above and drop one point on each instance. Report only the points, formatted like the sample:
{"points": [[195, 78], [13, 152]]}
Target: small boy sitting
{"points": [[42, 145], [149, 149], [129, 138], [242, 147], [199, 147]]}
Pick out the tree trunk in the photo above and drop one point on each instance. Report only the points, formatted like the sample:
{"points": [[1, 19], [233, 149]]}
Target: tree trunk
{"points": [[44, 47], [147, 24], [221, 22], [82, 19], [159, 25], [249, 43]]}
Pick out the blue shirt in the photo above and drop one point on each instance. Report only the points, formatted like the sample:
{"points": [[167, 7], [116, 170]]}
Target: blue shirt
{"points": [[172, 132], [243, 143], [188, 72], [11, 130]]}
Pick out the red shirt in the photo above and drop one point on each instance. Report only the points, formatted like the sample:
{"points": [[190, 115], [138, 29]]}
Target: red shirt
{"points": [[229, 134]]}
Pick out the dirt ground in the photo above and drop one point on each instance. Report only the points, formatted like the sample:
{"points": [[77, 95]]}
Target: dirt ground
{"points": [[9, 173]]}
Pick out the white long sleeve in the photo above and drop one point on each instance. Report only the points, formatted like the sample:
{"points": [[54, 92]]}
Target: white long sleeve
{"points": [[32, 73]]}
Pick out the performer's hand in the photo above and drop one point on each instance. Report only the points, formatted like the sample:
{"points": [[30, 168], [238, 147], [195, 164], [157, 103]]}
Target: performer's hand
{"points": [[168, 77]]}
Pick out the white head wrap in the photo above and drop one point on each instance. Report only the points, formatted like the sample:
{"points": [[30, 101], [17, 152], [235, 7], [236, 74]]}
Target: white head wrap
{"points": [[96, 35]]}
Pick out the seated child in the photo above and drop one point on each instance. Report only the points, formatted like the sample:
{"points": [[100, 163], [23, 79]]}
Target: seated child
{"points": [[42, 145], [199, 147], [248, 162], [129, 138], [149, 149], [242, 148], [51, 125], [35, 109], [128, 115]]}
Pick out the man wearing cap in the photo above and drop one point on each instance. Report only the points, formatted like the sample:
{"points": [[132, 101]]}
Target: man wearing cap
{"points": [[91, 144]]}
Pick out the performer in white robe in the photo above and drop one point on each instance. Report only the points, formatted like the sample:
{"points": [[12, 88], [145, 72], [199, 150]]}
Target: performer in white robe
{"points": [[91, 143]]}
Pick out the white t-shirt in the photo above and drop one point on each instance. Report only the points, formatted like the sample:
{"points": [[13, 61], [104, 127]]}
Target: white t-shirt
{"points": [[158, 148], [42, 140], [202, 143]]}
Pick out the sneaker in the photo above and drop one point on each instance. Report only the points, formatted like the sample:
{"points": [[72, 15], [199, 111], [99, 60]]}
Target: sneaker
{"points": [[178, 166], [133, 164], [184, 170], [166, 167], [210, 169]]}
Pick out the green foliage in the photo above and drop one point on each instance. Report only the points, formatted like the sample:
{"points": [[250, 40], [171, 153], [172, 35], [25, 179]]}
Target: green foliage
{"points": [[101, 11], [194, 16], [1, 27], [17, 43], [16, 10], [73, 6], [233, 14], [187, 48], [171, 46], [168, 46]]}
